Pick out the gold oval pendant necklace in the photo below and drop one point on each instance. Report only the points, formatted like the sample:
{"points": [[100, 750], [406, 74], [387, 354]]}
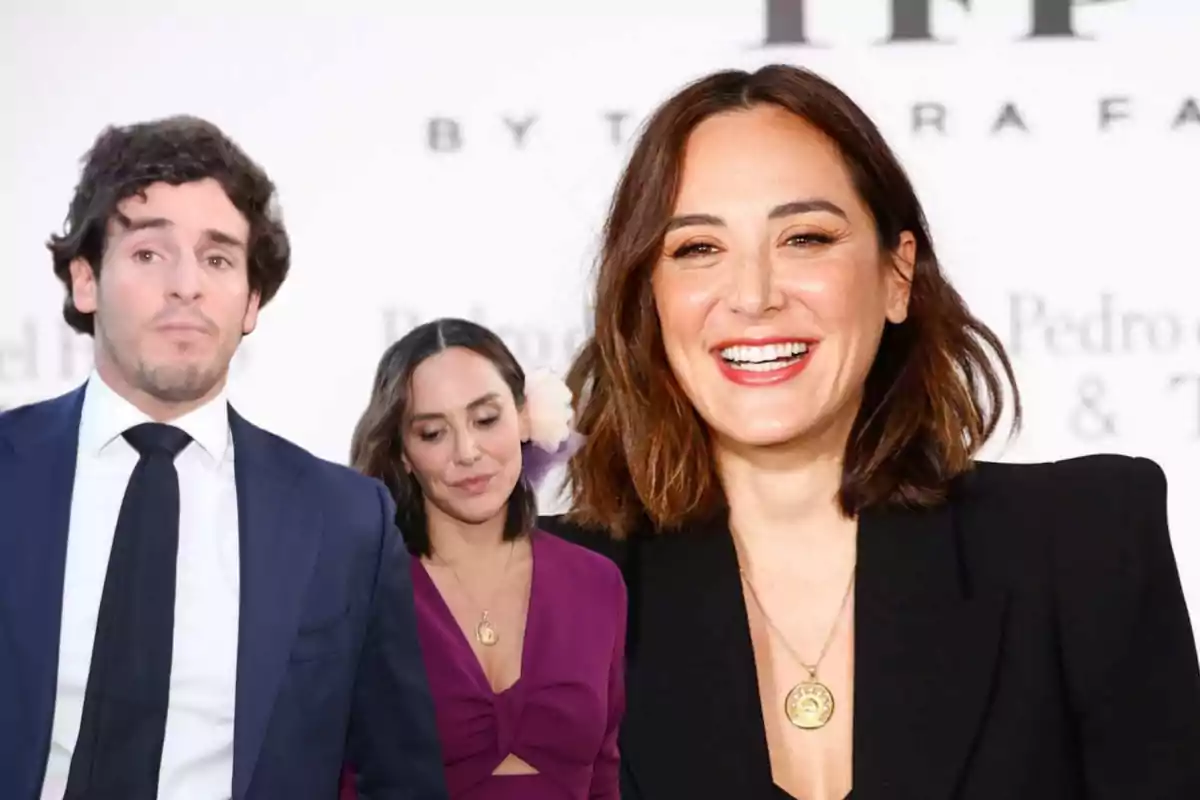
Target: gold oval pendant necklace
{"points": [[485, 632], [809, 704]]}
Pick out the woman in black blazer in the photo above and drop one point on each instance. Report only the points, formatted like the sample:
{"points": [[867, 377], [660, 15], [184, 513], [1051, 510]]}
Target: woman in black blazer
{"points": [[828, 594]]}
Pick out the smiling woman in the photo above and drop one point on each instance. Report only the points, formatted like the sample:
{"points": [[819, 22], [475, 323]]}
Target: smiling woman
{"points": [[781, 406]]}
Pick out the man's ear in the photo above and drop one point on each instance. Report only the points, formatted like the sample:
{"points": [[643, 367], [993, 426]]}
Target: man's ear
{"points": [[85, 289]]}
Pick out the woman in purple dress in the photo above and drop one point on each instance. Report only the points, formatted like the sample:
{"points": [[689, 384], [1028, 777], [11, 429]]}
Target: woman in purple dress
{"points": [[522, 633]]}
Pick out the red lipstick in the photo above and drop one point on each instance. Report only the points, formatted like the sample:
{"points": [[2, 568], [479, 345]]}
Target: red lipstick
{"points": [[763, 362]]}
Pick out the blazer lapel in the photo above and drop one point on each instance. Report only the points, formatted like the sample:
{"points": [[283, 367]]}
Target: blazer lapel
{"points": [[926, 644], [280, 537], [692, 671], [36, 485]]}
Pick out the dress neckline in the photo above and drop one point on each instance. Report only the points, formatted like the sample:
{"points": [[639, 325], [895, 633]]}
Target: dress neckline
{"points": [[461, 637]]}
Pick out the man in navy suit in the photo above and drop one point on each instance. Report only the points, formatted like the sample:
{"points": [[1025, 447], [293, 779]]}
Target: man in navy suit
{"points": [[191, 607]]}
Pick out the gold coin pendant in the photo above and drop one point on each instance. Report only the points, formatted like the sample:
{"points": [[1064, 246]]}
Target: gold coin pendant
{"points": [[809, 705]]}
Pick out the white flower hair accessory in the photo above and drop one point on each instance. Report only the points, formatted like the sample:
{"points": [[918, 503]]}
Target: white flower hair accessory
{"points": [[552, 438], [548, 404]]}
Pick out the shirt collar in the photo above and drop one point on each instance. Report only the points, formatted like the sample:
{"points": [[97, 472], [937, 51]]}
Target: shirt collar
{"points": [[106, 415]]}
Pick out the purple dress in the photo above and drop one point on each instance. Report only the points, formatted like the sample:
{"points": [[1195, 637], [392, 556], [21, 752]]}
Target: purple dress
{"points": [[562, 715]]}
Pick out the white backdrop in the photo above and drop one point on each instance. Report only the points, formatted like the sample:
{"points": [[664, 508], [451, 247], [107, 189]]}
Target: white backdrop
{"points": [[456, 157]]}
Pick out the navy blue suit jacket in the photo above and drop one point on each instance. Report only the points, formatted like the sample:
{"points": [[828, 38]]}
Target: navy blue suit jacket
{"points": [[327, 645]]}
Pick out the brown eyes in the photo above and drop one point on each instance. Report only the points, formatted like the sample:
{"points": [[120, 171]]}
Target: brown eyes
{"points": [[431, 436], [702, 249], [809, 239], [695, 249], [149, 257]]}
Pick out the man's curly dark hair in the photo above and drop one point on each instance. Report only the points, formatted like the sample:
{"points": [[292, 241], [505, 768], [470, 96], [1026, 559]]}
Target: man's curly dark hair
{"points": [[123, 161]]}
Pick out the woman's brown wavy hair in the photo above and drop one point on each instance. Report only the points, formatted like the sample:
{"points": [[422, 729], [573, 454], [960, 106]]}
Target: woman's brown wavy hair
{"points": [[933, 397], [377, 446]]}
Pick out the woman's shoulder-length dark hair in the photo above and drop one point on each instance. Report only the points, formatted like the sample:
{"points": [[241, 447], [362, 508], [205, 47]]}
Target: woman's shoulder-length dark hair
{"points": [[377, 446], [934, 394]]}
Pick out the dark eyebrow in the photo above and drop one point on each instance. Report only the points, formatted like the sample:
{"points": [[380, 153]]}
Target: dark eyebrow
{"points": [[785, 210], [219, 237], [151, 223], [807, 207], [693, 219], [142, 223], [490, 397]]}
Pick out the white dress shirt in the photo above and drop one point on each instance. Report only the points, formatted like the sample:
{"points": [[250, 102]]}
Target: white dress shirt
{"points": [[197, 758]]}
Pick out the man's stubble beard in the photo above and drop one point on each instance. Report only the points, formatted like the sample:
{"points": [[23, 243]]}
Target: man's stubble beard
{"points": [[178, 384], [167, 383]]}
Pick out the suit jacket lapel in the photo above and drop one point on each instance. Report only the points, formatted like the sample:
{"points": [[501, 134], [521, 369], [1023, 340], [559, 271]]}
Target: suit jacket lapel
{"points": [[925, 650], [280, 536], [926, 644], [692, 673]]}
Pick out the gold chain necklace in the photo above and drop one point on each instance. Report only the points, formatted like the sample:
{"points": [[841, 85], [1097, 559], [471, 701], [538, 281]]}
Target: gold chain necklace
{"points": [[485, 632], [810, 704]]}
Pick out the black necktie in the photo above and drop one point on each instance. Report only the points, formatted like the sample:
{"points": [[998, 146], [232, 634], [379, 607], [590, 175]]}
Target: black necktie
{"points": [[124, 719]]}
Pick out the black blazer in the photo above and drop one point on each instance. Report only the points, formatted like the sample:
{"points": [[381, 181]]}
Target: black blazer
{"points": [[1028, 639]]}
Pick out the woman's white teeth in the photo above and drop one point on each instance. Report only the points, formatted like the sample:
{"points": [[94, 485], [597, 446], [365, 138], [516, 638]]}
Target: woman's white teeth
{"points": [[762, 356]]}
